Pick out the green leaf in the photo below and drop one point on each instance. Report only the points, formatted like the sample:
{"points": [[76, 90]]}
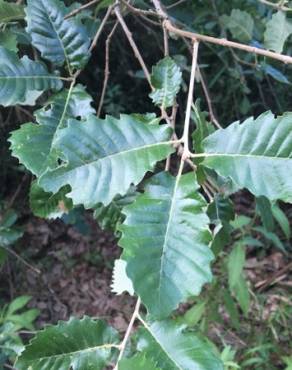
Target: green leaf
{"points": [[241, 293], [256, 155], [102, 158], [174, 348], [278, 29], [166, 79], [203, 127], [17, 304], [272, 237], [34, 145], [110, 217], [195, 313], [10, 12], [221, 209], [23, 80], [236, 262], [166, 243], [59, 40], [264, 209], [49, 205], [138, 362], [240, 24], [78, 344], [282, 220], [121, 283], [8, 40]]}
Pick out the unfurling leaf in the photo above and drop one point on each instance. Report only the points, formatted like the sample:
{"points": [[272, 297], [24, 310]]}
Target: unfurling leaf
{"points": [[102, 158], [256, 155], [165, 238], [59, 40], [166, 79], [23, 80], [76, 344]]}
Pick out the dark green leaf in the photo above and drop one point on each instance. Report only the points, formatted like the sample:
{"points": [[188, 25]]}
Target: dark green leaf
{"points": [[102, 158], [169, 260], [78, 344], [23, 80]]}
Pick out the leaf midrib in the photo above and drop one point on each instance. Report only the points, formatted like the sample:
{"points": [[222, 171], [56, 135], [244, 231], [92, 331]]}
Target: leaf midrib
{"points": [[124, 152], [171, 214], [85, 350], [208, 155]]}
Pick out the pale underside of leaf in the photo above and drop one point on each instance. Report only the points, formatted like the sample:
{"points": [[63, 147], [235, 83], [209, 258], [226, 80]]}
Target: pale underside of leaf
{"points": [[165, 238], [102, 158], [278, 29]]}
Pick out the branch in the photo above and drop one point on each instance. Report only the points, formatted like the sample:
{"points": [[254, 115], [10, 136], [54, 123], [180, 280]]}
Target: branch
{"points": [[133, 44], [185, 138], [11, 251], [278, 6], [214, 40], [122, 346], [96, 37], [106, 68], [85, 6]]}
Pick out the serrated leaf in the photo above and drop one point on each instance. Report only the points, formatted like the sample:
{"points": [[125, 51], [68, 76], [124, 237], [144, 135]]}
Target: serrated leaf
{"points": [[19, 78], [138, 362], [166, 79], [10, 12], [109, 217], [278, 29], [165, 238], [102, 158], [48, 205], [256, 155], [59, 40], [240, 24], [78, 344], [121, 283], [174, 348], [34, 144]]}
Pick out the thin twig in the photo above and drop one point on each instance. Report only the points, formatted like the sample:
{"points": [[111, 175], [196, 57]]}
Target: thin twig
{"points": [[128, 332], [214, 40], [133, 44], [278, 6], [106, 68], [83, 7], [141, 13], [185, 137], [11, 251], [100, 29], [175, 4]]}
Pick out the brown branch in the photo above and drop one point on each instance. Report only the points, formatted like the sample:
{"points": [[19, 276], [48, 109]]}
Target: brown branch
{"points": [[106, 68], [214, 40], [141, 13], [83, 7], [11, 251], [100, 29], [133, 44]]}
